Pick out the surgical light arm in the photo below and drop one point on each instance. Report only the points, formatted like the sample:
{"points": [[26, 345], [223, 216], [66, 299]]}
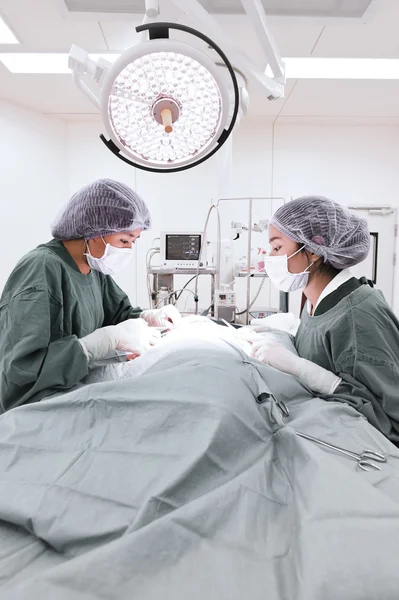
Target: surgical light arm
{"points": [[274, 86], [151, 8], [81, 64], [257, 15]]}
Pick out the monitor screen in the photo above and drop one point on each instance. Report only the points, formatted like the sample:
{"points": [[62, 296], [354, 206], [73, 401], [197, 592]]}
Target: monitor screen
{"points": [[183, 246]]}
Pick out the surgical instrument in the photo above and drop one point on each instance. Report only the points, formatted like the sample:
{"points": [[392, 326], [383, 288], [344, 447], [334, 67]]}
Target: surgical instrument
{"points": [[364, 459], [163, 330], [229, 325]]}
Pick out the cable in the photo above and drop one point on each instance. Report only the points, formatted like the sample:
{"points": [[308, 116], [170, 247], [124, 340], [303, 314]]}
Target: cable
{"points": [[262, 283], [206, 311], [185, 305], [201, 252], [148, 263], [184, 287], [148, 259], [172, 294], [148, 279], [176, 296], [175, 292]]}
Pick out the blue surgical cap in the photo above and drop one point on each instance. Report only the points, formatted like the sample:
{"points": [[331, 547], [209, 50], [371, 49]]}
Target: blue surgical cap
{"points": [[101, 208], [326, 229]]}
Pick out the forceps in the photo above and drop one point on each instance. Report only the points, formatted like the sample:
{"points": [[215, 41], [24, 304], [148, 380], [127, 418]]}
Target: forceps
{"points": [[364, 459]]}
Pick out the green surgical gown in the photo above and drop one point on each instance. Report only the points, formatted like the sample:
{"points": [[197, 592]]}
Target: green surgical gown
{"points": [[46, 306], [358, 339]]}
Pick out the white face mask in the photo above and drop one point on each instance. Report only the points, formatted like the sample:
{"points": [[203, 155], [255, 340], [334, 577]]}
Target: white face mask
{"points": [[112, 261], [277, 270]]}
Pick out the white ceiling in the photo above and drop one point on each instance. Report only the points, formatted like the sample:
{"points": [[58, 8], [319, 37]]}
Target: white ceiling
{"points": [[331, 8], [44, 25]]}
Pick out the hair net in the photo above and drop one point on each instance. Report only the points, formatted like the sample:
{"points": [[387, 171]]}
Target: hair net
{"points": [[101, 208], [326, 229]]}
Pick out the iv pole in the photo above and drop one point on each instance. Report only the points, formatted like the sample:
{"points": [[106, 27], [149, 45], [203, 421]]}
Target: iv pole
{"points": [[250, 225]]}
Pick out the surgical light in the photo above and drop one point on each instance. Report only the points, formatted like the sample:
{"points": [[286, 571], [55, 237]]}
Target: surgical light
{"points": [[165, 104]]}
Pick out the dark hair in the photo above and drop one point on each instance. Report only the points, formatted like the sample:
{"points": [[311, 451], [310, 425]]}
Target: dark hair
{"points": [[323, 268]]}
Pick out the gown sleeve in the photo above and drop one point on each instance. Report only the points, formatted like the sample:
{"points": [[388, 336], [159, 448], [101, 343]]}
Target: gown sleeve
{"points": [[117, 307], [35, 359], [371, 386], [360, 344], [365, 351]]}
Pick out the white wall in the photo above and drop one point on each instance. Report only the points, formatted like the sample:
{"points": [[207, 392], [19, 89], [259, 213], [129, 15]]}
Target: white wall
{"points": [[48, 161], [33, 181], [352, 164]]}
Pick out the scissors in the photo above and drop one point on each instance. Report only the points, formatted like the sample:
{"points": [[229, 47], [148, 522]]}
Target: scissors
{"points": [[364, 459]]}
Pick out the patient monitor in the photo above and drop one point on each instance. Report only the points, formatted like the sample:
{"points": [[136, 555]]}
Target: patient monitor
{"points": [[182, 249]]}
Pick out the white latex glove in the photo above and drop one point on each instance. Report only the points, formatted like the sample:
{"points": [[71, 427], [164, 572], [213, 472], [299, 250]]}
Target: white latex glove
{"points": [[167, 316], [282, 321], [132, 336], [248, 334], [269, 351]]}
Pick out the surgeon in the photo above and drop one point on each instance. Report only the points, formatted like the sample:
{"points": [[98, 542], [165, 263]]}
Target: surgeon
{"points": [[61, 311], [346, 326]]}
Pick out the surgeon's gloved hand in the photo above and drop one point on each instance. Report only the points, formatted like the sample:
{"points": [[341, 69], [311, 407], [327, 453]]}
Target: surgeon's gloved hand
{"points": [[247, 334], [167, 316], [135, 336], [282, 321], [132, 336], [269, 351]]}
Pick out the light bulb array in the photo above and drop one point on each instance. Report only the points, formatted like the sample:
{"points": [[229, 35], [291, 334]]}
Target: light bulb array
{"points": [[166, 105], [165, 75]]}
